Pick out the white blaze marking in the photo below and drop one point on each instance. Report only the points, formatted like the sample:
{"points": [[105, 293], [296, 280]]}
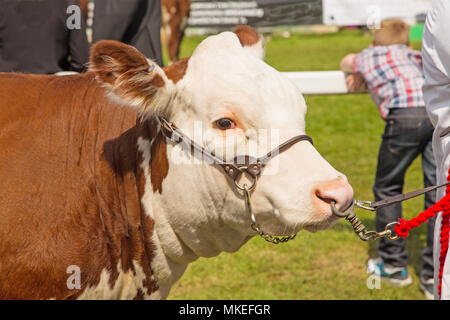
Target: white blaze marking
{"points": [[166, 272], [126, 285], [144, 146]]}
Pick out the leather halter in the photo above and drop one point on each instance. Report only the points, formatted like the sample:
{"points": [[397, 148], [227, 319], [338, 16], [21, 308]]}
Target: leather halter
{"points": [[240, 164], [254, 167]]}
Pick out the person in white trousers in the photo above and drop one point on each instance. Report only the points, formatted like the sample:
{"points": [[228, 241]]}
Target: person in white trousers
{"points": [[436, 91]]}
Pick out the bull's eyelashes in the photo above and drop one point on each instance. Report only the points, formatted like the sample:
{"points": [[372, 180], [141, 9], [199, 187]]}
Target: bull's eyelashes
{"points": [[225, 124]]}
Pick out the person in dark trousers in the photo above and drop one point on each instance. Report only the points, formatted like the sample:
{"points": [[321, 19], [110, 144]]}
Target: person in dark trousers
{"points": [[39, 36], [394, 77], [134, 22]]}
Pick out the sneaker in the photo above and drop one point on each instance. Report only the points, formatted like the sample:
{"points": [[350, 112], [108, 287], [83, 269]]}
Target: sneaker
{"points": [[427, 288], [396, 276]]}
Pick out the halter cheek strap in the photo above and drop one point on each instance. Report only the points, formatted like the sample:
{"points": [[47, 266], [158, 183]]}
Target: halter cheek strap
{"points": [[240, 164]]}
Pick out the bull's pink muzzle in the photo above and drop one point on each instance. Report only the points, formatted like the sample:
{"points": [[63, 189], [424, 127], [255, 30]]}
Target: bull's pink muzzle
{"points": [[337, 190]]}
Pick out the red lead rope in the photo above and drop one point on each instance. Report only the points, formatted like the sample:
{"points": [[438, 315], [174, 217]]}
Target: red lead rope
{"points": [[404, 226]]}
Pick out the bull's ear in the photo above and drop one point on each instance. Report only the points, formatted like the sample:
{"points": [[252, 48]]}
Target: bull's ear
{"points": [[129, 76], [251, 40]]}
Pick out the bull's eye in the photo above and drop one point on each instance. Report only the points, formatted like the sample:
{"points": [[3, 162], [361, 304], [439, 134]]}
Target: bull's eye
{"points": [[225, 124]]}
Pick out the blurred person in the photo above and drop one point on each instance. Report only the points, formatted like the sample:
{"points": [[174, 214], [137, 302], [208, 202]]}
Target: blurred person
{"points": [[393, 74], [436, 91], [134, 22], [35, 38], [175, 14]]}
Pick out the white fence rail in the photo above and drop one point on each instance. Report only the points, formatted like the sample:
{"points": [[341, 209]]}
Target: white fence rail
{"points": [[319, 82], [308, 82]]}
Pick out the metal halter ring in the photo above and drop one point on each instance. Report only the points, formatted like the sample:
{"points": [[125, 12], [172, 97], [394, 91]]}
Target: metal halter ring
{"points": [[245, 186], [388, 231]]}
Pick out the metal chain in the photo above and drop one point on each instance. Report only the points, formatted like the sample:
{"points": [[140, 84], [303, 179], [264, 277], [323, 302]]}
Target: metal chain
{"points": [[360, 228], [255, 226]]}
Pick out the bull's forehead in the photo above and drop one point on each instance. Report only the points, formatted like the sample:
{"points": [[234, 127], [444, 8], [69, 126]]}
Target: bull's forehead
{"points": [[222, 74]]}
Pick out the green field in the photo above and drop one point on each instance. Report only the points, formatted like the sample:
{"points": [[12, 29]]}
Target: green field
{"points": [[329, 264]]}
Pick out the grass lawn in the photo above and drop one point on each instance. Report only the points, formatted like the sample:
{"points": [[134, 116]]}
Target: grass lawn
{"points": [[330, 264]]}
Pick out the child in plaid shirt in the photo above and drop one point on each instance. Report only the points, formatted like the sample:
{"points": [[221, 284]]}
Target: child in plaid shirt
{"points": [[393, 74]]}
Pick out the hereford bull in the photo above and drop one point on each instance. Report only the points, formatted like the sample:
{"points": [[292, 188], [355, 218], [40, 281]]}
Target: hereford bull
{"points": [[90, 184]]}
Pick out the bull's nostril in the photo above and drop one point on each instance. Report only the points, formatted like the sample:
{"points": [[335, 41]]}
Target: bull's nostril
{"points": [[337, 191], [324, 199]]}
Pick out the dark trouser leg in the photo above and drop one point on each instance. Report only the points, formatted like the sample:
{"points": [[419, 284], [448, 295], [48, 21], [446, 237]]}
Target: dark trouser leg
{"points": [[429, 179], [399, 147]]}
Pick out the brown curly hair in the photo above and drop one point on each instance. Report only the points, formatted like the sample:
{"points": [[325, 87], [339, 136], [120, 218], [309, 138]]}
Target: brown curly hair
{"points": [[392, 31]]}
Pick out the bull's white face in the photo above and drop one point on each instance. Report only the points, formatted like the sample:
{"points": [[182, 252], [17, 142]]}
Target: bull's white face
{"points": [[261, 109], [233, 104]]}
